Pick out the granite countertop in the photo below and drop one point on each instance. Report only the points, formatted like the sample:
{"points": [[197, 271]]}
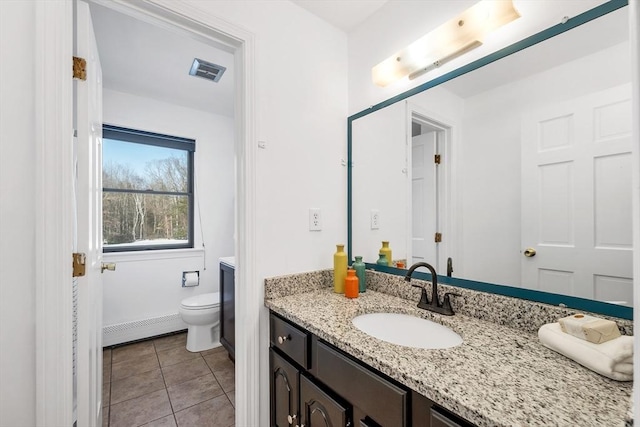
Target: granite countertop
{"points": [[499, 376]]}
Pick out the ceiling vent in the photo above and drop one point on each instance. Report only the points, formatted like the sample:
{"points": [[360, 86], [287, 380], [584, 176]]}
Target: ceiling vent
{"points": [[206, 70]]}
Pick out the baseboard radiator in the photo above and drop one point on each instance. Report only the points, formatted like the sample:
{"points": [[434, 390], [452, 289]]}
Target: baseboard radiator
{"points": [[140, 329]]}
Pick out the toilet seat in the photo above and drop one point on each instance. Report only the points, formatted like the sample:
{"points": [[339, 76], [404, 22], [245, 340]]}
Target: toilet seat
{"points": [[202, 301]]}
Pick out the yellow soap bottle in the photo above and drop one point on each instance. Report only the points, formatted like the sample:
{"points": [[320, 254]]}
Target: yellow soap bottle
{"points": [[385, 249], [339, 269]]}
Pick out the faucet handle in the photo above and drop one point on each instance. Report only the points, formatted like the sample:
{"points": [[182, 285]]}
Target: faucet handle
{"points": [[447, 299], [424, 299]]}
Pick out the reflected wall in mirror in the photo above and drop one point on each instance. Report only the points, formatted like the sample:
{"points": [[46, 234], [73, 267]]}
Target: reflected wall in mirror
{"points": [[535, 154]]}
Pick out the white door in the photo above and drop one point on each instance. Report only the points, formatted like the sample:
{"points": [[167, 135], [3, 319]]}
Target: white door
{"points": [[424, 198], [88, 124], [576, 197]]}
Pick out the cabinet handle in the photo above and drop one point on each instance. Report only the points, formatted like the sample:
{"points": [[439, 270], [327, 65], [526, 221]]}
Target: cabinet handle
{"points": [[283, 338], [291, 418]]}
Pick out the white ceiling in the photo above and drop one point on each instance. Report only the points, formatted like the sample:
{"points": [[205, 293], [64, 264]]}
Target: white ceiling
{"points": [[147, 60], [343, 14], [144, 59]]}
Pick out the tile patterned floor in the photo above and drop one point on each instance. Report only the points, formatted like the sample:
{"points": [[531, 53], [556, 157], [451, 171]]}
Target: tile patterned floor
{"points": [[158, 383]]}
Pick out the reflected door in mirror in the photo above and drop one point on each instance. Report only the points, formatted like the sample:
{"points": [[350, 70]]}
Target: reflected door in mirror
{"points": [[576, 197]]}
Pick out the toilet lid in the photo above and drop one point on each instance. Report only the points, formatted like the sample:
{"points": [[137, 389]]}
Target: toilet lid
{"points": [[202, 301]]}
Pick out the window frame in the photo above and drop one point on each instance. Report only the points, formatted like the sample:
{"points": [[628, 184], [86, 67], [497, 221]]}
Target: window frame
{"points": [[158, 140]]}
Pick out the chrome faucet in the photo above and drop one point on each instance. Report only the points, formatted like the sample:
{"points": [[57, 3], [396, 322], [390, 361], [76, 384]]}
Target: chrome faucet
{"points": [[434, 305]]}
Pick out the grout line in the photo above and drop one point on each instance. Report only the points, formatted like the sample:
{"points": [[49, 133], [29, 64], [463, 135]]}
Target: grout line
{"points": [[206, 400], [166, 388], [232, 404], [142, 395]]}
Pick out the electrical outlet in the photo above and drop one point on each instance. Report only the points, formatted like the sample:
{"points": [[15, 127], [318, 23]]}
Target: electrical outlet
{"points": [[315, 219], [375, 219]]}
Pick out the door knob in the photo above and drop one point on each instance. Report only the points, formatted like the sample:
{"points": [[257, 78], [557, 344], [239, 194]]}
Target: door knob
{"points": [[529, 252], [111, 266]]}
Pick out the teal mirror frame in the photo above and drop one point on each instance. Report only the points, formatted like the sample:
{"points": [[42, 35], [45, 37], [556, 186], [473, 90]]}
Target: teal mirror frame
{"points": [[581, 304]]}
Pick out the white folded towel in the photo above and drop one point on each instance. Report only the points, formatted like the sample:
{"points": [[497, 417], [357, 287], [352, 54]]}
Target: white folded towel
{"points": [[613, 359]]}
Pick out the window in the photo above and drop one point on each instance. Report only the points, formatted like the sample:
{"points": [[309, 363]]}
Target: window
{"points": [[147, 199]]}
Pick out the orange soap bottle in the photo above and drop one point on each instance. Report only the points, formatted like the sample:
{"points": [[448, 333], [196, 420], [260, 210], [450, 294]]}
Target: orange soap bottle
{"points": [[351, 284]]}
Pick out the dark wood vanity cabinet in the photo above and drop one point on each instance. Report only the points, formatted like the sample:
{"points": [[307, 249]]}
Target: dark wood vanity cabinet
{"points": [[314, 384], [227, 309]]}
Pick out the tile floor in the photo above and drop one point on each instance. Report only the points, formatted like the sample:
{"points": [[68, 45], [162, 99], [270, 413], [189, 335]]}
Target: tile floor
{"points": [[158, 383]]}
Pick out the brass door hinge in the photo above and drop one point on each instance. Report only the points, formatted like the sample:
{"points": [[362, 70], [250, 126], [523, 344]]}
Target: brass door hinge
{"points": [[79, 267], [436, 159], [438, 237], [79, 68]]}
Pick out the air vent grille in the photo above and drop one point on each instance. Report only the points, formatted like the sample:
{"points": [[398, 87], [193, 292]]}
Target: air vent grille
{"points": [[207, 70]]}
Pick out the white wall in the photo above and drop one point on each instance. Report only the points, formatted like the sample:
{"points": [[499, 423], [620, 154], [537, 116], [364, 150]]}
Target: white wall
{"points": [[17, 215], [147, 285], [381, 180]]}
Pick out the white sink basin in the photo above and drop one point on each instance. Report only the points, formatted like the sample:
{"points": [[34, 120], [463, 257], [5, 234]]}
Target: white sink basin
{"points": [[410, 331]]}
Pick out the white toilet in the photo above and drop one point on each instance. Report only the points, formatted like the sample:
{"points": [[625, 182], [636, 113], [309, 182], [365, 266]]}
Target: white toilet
{"points": [[202, 314]]}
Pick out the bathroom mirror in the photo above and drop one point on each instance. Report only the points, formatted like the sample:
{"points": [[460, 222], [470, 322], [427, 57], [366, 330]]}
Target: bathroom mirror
{"points": [[532, 193]]}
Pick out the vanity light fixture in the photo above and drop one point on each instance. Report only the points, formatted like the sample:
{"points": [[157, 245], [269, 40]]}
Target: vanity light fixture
{"points": [[447, 42]]}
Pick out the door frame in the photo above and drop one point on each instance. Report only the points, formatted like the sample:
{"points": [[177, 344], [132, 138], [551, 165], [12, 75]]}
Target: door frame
{"points": [[448, 207], [54, 201], [53, 213], [634, 38]]}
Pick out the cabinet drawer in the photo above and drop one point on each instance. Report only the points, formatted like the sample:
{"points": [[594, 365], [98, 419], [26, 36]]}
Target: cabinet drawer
{"points": [[289, 339], [381, 400]]}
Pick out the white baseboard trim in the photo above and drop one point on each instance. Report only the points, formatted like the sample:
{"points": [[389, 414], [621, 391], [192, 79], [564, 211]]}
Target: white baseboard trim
{"points": [[139, 329]]}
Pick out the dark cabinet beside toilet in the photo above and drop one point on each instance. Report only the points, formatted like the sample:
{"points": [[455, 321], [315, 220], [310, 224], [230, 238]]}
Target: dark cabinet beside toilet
{"points": [[227, 306]]}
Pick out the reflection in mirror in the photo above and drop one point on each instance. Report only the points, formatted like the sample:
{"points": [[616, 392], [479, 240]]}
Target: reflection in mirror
{"points": [[533, 188]]}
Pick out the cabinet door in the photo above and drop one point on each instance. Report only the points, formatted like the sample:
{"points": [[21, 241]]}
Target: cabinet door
{"points": [[440, 419], [318, 409], [227, 310], [368, 422], [425, 413], [284, 384]]}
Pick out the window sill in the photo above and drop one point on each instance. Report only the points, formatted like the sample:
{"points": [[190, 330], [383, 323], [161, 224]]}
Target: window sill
{"points": [[153, 255]]}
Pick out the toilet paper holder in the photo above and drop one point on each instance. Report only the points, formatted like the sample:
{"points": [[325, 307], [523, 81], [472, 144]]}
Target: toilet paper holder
{"points": [[190, 278]]}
